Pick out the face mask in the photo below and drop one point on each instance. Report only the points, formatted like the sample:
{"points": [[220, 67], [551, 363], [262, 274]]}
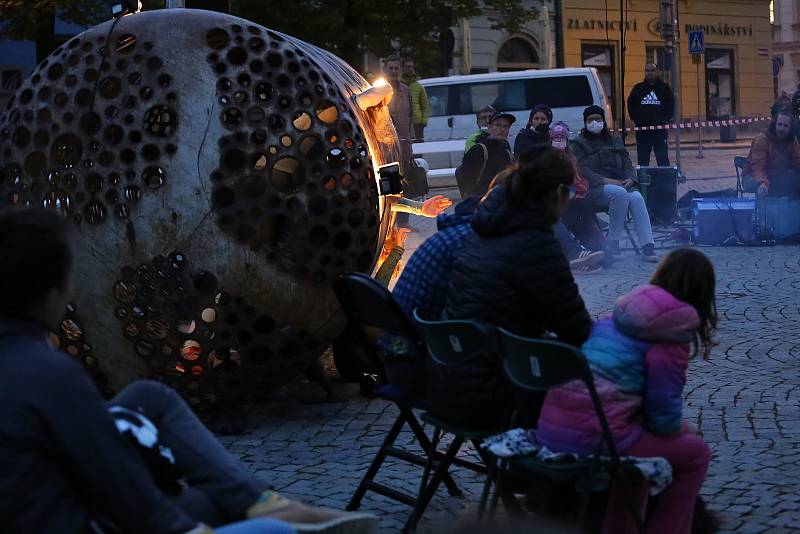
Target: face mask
{"points": [[594, 127], [560, 144], [542, 128]]}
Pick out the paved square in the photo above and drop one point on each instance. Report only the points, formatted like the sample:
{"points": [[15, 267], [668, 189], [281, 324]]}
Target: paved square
{"points": [[744, 400]]}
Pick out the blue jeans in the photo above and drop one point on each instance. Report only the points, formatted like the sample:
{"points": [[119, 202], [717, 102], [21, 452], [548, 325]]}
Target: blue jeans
{"points": [[620, 202], [220, 487], [256, 526]]}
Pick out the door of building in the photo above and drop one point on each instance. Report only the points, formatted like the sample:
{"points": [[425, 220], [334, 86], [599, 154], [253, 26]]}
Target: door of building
{"points": [[720, 83], [601, 57]]}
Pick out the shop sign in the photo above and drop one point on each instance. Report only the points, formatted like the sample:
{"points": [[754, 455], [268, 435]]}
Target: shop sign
{"points": [[654, 27], [721, 29], [606, 25]]}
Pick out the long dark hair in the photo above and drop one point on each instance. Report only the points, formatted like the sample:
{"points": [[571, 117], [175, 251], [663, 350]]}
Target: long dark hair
{"points": [[539, 171], [688, 275], [771, 128]]}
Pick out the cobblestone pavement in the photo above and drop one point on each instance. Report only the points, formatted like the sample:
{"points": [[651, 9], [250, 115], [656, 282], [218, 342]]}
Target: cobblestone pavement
{"points": [[744, 400]]}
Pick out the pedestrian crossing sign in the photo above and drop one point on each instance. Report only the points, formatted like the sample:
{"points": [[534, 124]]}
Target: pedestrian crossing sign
{"points": [[696, 42]]}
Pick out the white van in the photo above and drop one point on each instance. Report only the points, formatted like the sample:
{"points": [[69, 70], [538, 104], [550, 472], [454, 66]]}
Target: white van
{"points": [[454, 100]]}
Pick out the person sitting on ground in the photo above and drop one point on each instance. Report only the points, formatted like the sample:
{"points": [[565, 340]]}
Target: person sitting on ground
{"points": [[605, 163], [639, 357], [511, 272], [773, 165], [486, 158], [580, 218], [536, 132], [65, 465], [482, 117]]}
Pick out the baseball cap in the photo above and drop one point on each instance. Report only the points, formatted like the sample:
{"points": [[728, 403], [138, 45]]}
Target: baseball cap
{"points": [[503, 115]]}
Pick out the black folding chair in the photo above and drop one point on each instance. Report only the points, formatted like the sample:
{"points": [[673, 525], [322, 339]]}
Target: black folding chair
{"points": [[537, 365], [738, 163], [451, 343], [368, 304]]}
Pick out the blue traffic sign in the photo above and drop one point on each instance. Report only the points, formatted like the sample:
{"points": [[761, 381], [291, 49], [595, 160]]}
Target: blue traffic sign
{"points": [[696, 42]]}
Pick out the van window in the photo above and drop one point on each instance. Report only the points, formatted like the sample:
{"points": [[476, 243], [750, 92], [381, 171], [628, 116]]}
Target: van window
{"points": [[559, 92], [509, 95], [437, 100], [502, 95]]}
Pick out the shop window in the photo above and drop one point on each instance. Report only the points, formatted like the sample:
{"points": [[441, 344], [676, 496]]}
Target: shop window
{"points": [[601, 57], [658, 55], [517, 54], [720, 84]]}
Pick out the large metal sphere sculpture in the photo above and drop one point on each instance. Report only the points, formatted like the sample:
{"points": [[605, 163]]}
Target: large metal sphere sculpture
{"points": [[219, 176]]}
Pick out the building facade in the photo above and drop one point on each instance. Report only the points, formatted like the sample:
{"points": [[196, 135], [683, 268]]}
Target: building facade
{"points": [[734, 75], [479, 48], [786, 46]]}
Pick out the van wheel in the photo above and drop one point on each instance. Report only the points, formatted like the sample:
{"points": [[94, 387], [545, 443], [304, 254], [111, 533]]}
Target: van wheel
{"points": [[350, 357]]}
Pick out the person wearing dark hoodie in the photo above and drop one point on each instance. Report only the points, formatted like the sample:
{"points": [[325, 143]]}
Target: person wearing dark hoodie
{"points": [[487, 157], [604, 161], [68, 465], [424, 280], [511, 272], [651, 103], [536, 132]]}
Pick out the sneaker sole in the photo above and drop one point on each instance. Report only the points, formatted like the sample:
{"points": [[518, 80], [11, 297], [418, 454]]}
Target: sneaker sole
{"points": [[590, 260], [350, 524]]}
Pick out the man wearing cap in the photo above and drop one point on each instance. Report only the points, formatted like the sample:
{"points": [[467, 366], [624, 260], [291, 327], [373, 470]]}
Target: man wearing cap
{"points": [[482, 118], [487, 157]]}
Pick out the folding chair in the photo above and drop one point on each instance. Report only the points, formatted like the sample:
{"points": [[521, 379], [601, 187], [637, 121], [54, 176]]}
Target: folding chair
{"points": [[452, 343], [367, 303], [628, 231], [738, 163], [537, 365]]}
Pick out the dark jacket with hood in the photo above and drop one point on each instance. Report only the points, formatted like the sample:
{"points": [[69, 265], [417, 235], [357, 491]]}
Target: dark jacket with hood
{"points": [[511, 273], [601, 156], [528, 138], [651, 104], [486, 158], [62, 460]]}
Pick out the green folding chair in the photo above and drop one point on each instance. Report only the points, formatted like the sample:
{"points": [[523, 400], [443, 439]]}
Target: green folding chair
{"points": [[451, 343], [537, 365]]}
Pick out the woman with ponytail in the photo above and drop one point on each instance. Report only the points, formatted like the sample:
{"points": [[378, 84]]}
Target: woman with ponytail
{"points": [[512, 273]]}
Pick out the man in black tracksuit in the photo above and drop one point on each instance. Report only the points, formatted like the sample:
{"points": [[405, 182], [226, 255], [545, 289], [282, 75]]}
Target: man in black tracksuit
{"points": [[651, 103]]}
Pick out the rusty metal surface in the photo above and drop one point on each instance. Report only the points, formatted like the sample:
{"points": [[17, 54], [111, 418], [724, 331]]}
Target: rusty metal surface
{"points": [[219, 176]]}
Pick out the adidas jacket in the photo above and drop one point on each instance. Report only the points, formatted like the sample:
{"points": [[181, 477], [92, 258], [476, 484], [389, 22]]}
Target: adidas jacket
{"points": [[650, 105]]}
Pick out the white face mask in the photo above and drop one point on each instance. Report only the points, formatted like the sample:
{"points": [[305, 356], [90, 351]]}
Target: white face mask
{"points": [[594, 127], [560, 144]]}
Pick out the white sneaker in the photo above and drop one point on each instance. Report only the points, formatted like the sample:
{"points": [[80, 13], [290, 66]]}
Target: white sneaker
{"points": [[587, 259]]}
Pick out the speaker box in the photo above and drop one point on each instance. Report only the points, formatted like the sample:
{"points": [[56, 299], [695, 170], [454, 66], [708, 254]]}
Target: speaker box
{"points": [[724, 220], [660, 187], [778, 217]]}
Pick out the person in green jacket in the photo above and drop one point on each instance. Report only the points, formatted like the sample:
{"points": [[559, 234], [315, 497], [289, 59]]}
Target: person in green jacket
{"points": [[482, 118], [419, 100]]}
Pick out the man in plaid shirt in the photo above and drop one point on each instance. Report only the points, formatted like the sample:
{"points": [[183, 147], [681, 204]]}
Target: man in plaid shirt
{"points": [[423, 284]]}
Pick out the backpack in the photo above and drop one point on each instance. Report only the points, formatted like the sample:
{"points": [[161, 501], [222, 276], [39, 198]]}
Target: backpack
{"points": [[464, 187]]}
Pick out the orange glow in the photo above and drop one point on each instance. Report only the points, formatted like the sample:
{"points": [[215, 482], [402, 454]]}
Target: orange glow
{"points": [[380, 82]]}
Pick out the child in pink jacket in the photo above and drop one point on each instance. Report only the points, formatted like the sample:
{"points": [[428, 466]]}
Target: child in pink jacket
{"points": [[639, 358]]}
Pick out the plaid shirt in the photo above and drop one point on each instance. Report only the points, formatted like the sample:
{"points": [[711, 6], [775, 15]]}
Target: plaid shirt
{"points": [[423, 283]]}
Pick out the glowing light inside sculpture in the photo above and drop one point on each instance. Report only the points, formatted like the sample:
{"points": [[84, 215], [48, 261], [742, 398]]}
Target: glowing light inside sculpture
{"points": [[219, 176]]}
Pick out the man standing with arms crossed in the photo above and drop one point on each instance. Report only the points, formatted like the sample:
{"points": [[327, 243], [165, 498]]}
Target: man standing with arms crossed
{"points": [[651, 103]]}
